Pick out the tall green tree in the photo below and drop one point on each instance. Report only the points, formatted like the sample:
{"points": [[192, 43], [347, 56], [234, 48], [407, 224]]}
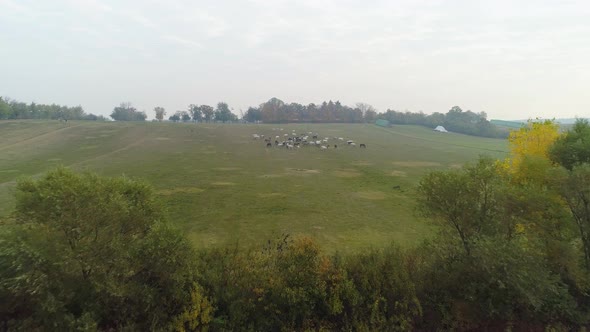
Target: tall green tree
{"points": [[208, 112], [223, 113], [195, 112]]}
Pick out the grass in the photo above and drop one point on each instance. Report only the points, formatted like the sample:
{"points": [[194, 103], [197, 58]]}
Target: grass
{"points": [[220, 185]]}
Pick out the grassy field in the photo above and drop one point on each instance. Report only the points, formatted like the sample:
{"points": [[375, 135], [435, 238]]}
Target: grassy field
{"points": [[221, 186]]}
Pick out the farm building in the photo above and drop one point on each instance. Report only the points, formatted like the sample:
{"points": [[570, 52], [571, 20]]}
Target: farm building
{"points": [[440, 129], [383, 123]]}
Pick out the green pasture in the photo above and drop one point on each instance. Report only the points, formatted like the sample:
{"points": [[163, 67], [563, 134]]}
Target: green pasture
{"points": [[221, 186]]}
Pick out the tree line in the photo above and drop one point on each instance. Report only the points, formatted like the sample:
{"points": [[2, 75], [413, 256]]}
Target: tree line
{"points": [[277, 111], [272, 111], [512, 252], [455, 120], [15, 110]]}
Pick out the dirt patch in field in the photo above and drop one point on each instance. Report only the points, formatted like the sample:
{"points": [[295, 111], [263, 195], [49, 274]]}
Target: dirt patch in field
{"points": [[88, 147], [455, 166], [9, 171], [223, 184], [302, 171], [416, 163], [90, 137], [227, 168], [180, 190], [362, 163], [347, 173], [371, 195], [54, 159], [271, 195], [162, 138], [398, 173]]}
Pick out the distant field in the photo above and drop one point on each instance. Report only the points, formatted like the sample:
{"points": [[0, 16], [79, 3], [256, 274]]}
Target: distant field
{"points": [[221, 186]]}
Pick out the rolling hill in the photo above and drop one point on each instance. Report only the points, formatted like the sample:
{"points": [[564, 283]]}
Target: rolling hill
{"points": [[221, 186]]}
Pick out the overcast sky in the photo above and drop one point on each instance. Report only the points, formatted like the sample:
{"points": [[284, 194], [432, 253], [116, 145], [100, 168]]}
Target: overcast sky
{"points": [[511, 59]]}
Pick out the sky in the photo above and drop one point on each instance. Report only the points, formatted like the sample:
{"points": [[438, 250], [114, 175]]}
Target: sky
{"points": [[511, 59]]}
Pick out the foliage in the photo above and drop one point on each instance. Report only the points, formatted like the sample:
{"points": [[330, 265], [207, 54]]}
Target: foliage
{"points": [[574, 187], [466, 200], [500, 285], [12, 109], [572, 148], [208, 112], [175, 117], [571, 151], [5, 110], [381, 295], [253, 114], [185, 116], [533, 140], [160, 113], [195, 112], [223, 114], [276, 111], [455, 120], [126, 112], [290, 285], [512, 264], [90, 250]]}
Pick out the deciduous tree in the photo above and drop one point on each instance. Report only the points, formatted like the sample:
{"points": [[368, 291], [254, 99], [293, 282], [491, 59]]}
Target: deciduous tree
{"points": [[208, 112], [223, 113], [573, 148], [126, 112], [533, 140], [160, 113], [195, 112], [94, 251]]}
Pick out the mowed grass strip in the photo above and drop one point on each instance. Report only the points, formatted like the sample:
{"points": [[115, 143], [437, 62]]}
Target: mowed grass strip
{"points": [[221, 186]]}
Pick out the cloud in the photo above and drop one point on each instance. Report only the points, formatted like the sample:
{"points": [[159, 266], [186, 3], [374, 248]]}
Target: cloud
{"points": [[11, 5], [90, 5], [138, 18], [182, 41]]}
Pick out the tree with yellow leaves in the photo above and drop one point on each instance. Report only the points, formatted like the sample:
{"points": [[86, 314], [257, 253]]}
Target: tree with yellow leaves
{"points": [[531, 141]]}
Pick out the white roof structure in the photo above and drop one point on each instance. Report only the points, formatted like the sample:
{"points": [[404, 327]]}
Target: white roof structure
{"points": [[441, 129]]}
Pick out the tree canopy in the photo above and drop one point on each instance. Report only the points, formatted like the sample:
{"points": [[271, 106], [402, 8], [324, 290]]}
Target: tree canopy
{"points": [[91, 251], [531, 141], [160, 113], [455, 120], [126, 112], [572, 148], [14, 110]]}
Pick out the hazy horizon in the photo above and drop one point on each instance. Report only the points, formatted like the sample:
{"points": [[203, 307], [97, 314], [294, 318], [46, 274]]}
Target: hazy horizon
{"points": [[511, 60]]}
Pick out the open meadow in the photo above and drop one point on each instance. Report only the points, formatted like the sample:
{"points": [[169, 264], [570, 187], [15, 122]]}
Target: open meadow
{"points": [[221, 186]]}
